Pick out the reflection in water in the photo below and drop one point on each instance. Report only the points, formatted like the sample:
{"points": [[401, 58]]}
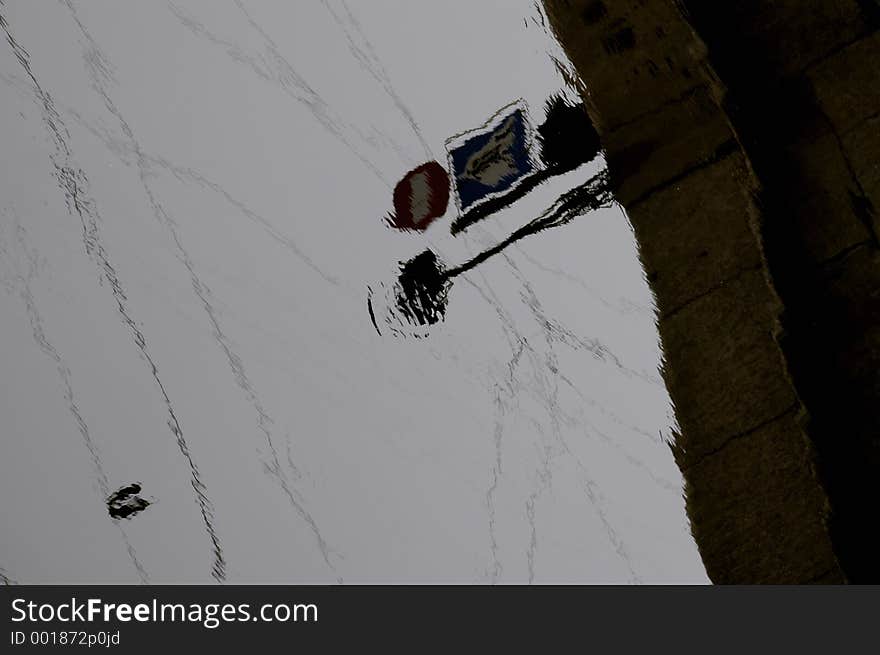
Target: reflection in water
{"points": [[422, 289], [521, 439], [567, 139], [420, 295], [125, 502], [567, 135]]}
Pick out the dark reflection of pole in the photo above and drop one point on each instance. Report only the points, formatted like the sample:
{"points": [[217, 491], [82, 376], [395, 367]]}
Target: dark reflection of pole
{"points": [[593, 194], [423, 284], [493, 205]]}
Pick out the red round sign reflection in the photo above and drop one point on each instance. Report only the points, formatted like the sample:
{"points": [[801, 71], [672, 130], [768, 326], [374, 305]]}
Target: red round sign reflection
{"points": [[420, 197]]}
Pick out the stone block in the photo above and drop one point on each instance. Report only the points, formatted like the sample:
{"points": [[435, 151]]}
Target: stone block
{"points": [[784, 35], [662, 146], [618, 45], [728, 375], [824, 199], [862, 145], [758, 511], [847, 85], [696, 233]]}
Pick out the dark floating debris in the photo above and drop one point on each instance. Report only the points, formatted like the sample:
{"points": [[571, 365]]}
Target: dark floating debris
{"points": [[125, 502]]}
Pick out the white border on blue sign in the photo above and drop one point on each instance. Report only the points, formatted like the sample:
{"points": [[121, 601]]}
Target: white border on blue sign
{"points": [[493, 122]]}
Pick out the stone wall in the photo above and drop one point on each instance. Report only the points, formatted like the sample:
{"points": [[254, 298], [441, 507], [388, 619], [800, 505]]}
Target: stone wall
{"points": [[743, 138]]}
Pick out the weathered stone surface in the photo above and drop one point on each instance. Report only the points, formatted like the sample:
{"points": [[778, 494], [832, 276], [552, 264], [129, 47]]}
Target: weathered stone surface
{"points": [[824, 211], [792, 164], [761, 484], [656, 149], [696, 233], [724, 369], [794, 97], [862, 145], [784, 35], [619, 44], [847, 85], [850, 289]]}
